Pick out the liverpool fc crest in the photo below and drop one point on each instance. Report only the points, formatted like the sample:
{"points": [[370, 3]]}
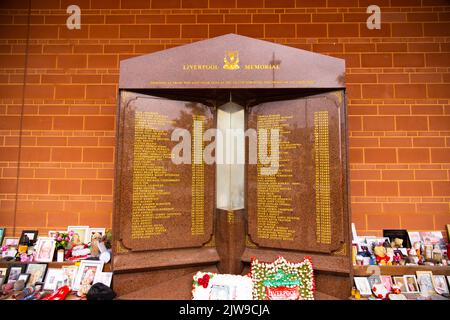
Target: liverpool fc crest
{"points": [[231, 60]]}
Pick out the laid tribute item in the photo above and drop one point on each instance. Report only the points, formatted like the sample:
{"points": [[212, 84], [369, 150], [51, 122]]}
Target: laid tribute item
{"points": [[213, 286], [283, 280]]}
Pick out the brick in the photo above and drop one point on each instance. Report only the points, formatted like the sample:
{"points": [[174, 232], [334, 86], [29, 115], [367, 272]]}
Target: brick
{"points": [[432, 208], [343, 30], [96, 218], [100, 91], [359, 47], [68, 123], [9, 122], [65, 186], [280, 30], [355, 123], [425, 77], [399, 208], [365, 175], [385, 30], [49, 173], [438, 90], [295, 17], [356, 155], [398, 175], [437, 59], [440, 155], [210, 18], [363, 142], [430, 174], [165, 31], [327, 17], [422, 16], [357, 188], [436, 29], [381, 188], [43, 32], [8, 186], [71, 61], [407, 30], [99, 123], [98, 154], [33, 186], [62, 219], [94, 187], [66, 34], [363, 208], [391, 47], [103, 31], [222, 3], [378, 123], [311, 30], [411, 123], [39, 91], [380, 155], [194, 31], [31, 219], [251, 30], [102, 61], [69, 92], [51, 141], [441, 188], [413, 155], [250, 3], [37, 122], [417, 222], [134, 31], [216, 30], [415, 188], [279, 3], [70, 154], [423, 47], [439, 123], [394, 109], [409, 60], [429, 142], [377, 91], [41, 61], [135, 4], [395, 142], [376, 60]]}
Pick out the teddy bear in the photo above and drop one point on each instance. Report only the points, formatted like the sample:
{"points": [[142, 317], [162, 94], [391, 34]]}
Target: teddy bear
{"points": [[380, 255]]}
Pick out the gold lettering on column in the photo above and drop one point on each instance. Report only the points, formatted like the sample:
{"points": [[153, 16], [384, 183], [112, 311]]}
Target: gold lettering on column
{"points": [[322, 163], [151, 204], [274, 206], [198, 178]]}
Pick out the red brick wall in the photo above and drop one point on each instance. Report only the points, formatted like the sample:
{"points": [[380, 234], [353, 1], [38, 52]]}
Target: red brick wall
{"points": [[398, 92]]}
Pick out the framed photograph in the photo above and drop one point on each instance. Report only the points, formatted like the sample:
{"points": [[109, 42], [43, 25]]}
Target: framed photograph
{"points": [[440, 285], [398, 233], [3, 271], [400, 281], [69, 274], [87, 271], [2, 280], [45, 248], [411, 284], [387, 282], [2, 235], [54, 279], [431, 237], [414, 236], [104, 277], [80, 232], [374, 279], [375, 242], [25, 277], [28, 237], [11, 252], [11, 241], [363, 286], [425, 281], [37, 272], [14, 273]]}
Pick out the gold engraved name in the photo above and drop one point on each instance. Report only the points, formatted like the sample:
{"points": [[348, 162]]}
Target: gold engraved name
{"points": [[262, 67], [200, 67]]}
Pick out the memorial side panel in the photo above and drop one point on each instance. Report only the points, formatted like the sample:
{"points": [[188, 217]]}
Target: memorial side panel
{"points": [[166, 204], [299, 207]]}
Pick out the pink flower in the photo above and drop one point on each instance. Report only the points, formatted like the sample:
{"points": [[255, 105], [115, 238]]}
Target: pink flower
{"points": [[67, 238], [59, 239], [5, 248], [71, 233]]}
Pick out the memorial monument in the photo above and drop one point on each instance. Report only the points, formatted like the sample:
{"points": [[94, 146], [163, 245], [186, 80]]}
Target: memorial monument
{"points": [[190, 198]]}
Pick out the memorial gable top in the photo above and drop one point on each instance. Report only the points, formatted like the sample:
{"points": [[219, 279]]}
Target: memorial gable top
{"points": [[232, 61]]}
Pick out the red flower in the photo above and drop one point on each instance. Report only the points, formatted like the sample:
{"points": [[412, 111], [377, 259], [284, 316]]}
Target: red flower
{"points": [[204, 281]]}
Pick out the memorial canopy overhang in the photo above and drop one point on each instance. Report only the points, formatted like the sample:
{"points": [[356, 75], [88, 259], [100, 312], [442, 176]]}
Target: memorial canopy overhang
{"points": [[232, 61]]}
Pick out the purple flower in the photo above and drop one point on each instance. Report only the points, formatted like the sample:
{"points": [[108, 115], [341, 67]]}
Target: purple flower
{"points": [[67, 238], [5, 248], [59, 239]]}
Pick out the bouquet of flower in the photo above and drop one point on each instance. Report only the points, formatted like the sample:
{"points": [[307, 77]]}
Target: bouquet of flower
{"points": [[63, 239]]}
